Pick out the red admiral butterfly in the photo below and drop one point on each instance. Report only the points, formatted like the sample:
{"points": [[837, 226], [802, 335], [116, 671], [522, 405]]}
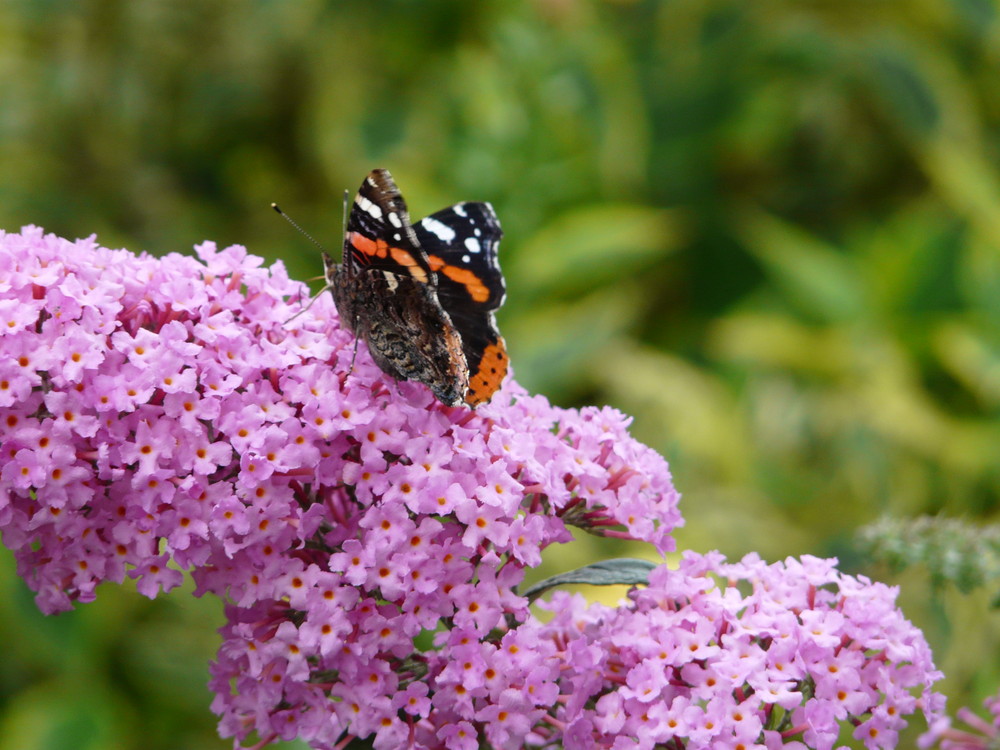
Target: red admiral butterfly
{"points": [[423, 296]]}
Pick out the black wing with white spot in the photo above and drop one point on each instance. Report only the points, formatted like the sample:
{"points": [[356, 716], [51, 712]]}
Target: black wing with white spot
{"points": [[379, 235], [461, 243]]}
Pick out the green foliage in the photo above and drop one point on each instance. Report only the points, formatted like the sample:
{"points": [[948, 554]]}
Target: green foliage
{"points": [[770, 230], [955, 552]]}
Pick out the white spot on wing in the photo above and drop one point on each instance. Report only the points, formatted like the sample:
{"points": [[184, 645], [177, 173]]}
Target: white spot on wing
{"points": [[394, 220], [367, 205], [390, 279], [440, 230], [466, 259], [460, 210], [478, 232], [473, 245]]}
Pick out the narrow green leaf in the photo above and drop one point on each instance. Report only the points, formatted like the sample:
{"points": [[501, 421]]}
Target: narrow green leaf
{"points": [[625, 571], [592, 245], [904, 89], [819, 279], [554, 344]]}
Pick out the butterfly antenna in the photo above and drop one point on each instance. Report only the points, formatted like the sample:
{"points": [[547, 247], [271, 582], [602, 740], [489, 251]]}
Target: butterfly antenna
{"points": [[313, 240], [300, 230], [346, 196], [347, 266]]}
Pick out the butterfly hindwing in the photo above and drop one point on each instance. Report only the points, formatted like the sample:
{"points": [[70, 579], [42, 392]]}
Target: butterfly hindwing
{"points": [[461, 244]]}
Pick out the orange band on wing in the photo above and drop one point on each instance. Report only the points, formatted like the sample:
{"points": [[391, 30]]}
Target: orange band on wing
{"points": [[382, 249], [488, 376], [367, 246], [472, 283]]}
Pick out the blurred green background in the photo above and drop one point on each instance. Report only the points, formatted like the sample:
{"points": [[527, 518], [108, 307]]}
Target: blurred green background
{"points": [[769, 230]]}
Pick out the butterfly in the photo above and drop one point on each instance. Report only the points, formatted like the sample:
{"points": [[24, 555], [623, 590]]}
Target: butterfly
{"points": [[423, 296]]}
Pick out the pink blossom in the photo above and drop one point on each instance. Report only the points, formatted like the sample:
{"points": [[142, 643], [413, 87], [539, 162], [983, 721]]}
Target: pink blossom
{"points": [[161, 415], [165, 415], [982, 734], [687, 695]]}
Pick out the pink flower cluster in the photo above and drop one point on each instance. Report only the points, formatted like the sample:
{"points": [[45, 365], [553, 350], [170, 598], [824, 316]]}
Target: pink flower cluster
{"points": [[166, 415], [787, 655], [159, 414], [980, 735]]}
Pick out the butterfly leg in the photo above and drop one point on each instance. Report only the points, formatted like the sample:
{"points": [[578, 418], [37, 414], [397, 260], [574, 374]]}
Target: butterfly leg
{"points": [[354, 354], [308, 305]]}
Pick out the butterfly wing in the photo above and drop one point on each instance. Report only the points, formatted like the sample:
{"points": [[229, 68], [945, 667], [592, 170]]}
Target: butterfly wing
{"points": [[461, 244], [385, 292], [379, 235]]}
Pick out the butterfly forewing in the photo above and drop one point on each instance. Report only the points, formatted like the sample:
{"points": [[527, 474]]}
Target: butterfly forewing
{"points": [[379, 234], [385, 293]]}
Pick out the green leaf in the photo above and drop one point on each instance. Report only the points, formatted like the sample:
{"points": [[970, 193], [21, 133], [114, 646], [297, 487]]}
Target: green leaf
{"points": [[819, 279], [592, 246], [625, 571], [554, 345], [970, 357], [966, 181], [904, 89]]}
